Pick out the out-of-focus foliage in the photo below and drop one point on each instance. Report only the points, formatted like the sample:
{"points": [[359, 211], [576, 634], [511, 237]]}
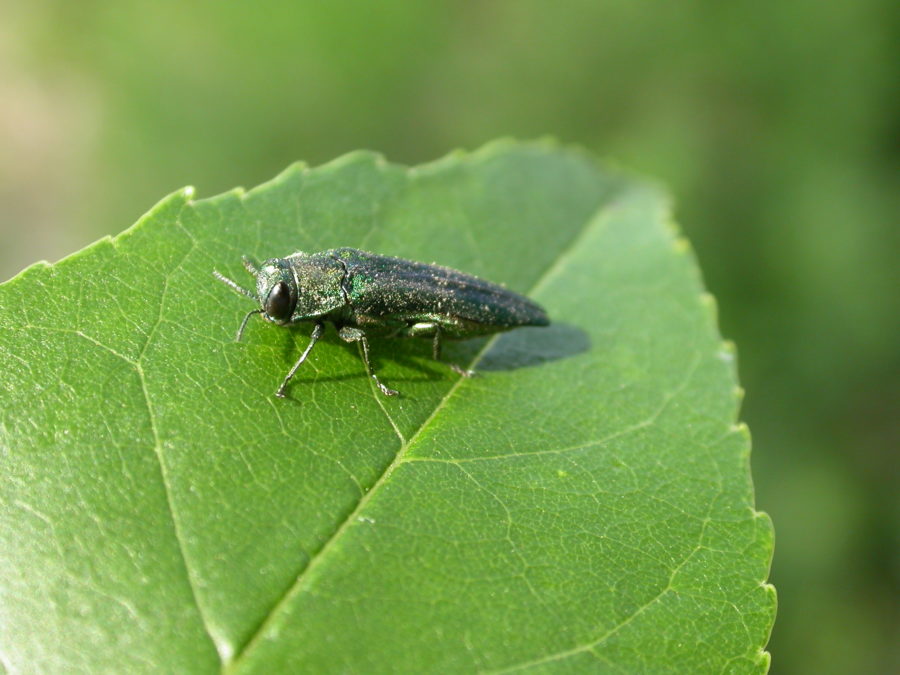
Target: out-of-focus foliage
{"points": [[775, 123]]}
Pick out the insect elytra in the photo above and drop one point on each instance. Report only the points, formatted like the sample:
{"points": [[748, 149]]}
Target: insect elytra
{"points": [[365, 294]]}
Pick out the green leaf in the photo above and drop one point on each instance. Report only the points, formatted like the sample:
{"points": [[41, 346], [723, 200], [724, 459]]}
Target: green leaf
{"points": [[583, 504]]}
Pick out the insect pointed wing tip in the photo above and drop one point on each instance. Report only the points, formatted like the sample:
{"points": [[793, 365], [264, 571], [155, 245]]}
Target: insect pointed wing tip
{"points": [[538, 316]]}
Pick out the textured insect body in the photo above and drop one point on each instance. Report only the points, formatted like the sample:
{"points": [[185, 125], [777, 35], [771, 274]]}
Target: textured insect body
{"points": [[363, 294]]}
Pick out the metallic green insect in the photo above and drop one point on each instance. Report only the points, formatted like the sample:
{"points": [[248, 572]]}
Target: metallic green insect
{"points": [[364, 294]]}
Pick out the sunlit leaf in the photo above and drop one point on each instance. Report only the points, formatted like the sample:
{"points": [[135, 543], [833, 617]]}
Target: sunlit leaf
{"points": [[585, 503]]}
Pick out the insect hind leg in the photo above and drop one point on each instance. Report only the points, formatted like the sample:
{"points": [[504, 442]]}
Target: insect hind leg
{"points": [[349, 334], [434, 330]]}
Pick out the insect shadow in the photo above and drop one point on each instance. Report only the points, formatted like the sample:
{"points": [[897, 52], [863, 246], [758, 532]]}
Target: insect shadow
{"points": [[531, 347], [414, 354], [522, 348]]}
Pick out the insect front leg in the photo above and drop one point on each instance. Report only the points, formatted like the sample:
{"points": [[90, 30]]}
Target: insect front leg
{"points": [[349, 334], [318, 329]]}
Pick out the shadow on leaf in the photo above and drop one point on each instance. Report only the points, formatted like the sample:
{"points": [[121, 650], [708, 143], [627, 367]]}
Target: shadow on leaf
{"points": [[529, 347]]}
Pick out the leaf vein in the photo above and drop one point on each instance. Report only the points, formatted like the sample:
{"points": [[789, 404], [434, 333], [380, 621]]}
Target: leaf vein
{"points": [[593, 644], [176, 525], [598, 218]]}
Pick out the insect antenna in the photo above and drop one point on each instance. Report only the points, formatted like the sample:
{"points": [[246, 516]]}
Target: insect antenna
{"points": [[233, 285], [250, 265], [244, 323]]}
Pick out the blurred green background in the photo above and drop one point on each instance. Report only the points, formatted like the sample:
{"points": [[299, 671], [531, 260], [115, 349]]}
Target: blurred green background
{"points": [[775, 124]]}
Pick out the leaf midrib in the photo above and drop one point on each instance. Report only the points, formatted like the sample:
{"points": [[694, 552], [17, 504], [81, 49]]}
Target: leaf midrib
{"points": [[597, 218]]}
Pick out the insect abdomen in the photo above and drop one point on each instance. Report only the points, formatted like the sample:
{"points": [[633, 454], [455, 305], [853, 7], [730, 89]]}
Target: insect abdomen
{"points": [[406, 290]]}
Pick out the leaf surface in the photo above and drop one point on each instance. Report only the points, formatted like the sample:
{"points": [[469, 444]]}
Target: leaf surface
{"points": [[585, 503]]}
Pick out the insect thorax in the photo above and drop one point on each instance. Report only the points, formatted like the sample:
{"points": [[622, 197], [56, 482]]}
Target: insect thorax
{"points": [[319, 284]]}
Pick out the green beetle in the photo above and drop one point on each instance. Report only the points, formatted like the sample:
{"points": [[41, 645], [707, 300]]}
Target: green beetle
{"points": [[364, 294]]}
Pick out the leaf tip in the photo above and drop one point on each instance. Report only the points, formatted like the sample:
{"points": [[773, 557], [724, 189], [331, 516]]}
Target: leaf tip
{"points": [[680, 244], [708, 302], [771, 593], [767, 530], [763, 660], [292, 169], [33, 268], [356, 157]]}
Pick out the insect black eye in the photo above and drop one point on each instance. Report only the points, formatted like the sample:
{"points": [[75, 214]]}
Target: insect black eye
{"points": [[279, 304]]}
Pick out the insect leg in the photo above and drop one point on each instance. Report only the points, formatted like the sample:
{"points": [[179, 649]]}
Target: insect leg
{"points": [[436, 344], [318, 329], [240, 332], [436, 354], [349, 334]]}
